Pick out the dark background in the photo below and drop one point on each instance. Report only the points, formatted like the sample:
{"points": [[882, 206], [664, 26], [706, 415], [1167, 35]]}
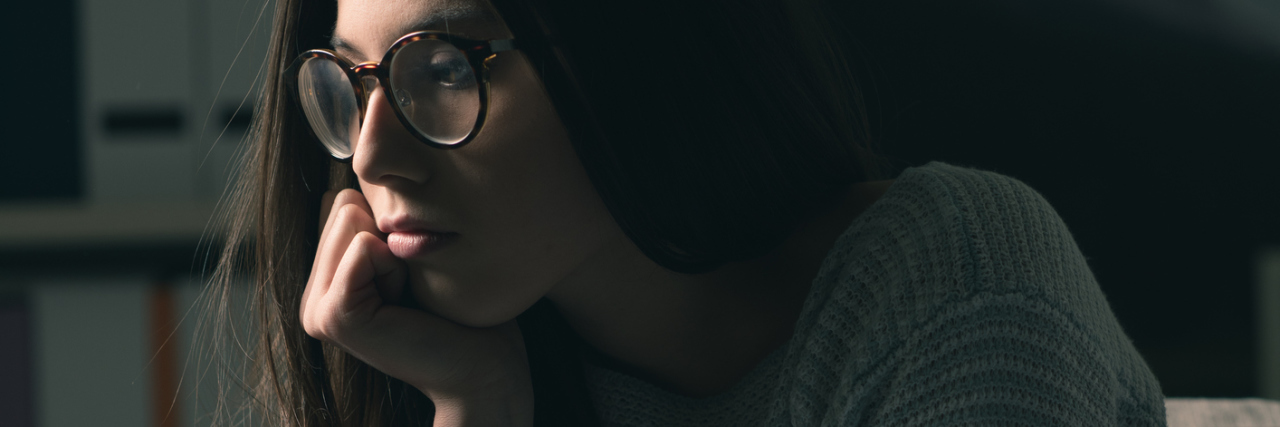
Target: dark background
{"points": [[41, 144], [1156, 143]]}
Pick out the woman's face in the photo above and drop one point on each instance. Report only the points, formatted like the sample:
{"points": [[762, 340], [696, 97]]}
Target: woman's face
{"points": [[525, 214]]}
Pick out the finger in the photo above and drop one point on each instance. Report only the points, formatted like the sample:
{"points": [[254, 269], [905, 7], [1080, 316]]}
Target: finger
{"points": [[328, 201], [366, 269], [342, 198], [326, 207], [329, 294], [345, 314], [349, 214], [348, 221], [369, 253]]}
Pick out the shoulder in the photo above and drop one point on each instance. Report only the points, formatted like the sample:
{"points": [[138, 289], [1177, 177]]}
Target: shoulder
{"points": [[1002, 235], [994, 230], [957, 290], [946, 231], [941, 234], [974, 204], [937, 234]]}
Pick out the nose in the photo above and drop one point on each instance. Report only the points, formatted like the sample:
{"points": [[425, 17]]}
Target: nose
{"points": [[386, 152]]}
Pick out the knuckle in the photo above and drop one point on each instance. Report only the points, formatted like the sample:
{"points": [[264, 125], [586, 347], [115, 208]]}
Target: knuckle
{"points": [[318, 327], [309, 326]]}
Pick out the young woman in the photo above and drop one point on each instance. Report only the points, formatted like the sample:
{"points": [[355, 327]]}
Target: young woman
{"points": [[550, 212]]}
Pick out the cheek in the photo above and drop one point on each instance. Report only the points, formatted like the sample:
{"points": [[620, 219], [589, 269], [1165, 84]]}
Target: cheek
{"points": [[521, 253], [534, 216]]}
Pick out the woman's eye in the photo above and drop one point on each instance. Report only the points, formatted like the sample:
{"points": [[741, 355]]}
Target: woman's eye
{"points": [[450, 70]]}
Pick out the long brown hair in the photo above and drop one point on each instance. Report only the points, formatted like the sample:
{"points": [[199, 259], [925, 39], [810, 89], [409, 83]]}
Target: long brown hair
{"points": [[270, 226], [771, 141]]}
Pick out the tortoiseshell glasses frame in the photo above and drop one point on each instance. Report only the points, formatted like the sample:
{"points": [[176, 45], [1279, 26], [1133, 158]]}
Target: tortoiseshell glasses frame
{"points": [[478, 53]]}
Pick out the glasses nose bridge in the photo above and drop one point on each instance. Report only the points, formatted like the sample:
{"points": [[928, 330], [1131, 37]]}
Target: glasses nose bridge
{"points": [[368, 75]]}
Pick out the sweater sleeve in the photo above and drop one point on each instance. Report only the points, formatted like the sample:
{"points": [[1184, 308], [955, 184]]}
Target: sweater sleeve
{"points": [[1004, 359]]}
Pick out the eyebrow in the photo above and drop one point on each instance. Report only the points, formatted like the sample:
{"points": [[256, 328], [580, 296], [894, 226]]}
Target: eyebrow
{"points": [[464, 13]]}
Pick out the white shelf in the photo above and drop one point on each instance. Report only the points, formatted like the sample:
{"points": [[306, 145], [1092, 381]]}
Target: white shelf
{"points": [[53, 225]]}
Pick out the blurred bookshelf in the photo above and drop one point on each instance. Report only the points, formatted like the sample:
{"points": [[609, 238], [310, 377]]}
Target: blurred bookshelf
{"points": [[118, 157], [48, 225], [160, 238]]}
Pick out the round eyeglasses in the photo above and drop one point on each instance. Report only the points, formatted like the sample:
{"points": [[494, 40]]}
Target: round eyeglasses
{"points": [[437, 84]]}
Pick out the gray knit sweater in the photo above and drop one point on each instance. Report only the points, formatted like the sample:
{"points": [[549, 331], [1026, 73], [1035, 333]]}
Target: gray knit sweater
{"points": [[958, 298]]}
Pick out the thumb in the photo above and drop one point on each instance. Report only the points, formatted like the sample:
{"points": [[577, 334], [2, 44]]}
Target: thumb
{"points": [[390, 273], [368, 277]]}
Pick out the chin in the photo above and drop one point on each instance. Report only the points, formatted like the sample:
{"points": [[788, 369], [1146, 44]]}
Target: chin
{"points": [[480, 318], [478, 302], [471, 312]]}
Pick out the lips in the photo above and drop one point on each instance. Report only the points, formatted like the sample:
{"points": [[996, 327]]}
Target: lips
{"points": [[410, 238], [416, 243]]}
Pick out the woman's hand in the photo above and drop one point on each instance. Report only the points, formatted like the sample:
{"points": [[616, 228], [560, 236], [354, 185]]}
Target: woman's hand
{"points": [[355, 298]]}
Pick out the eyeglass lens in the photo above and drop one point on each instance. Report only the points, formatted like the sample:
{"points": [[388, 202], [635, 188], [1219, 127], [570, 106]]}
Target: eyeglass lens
{"points": [[330, 104], [432, 84]]}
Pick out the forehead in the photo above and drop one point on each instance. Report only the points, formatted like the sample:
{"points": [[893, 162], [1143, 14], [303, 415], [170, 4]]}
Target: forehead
{"points": [[365, 28]]}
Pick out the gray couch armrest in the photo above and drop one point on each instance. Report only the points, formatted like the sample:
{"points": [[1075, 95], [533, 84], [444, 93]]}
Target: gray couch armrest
{"points": [[1208, 412]]}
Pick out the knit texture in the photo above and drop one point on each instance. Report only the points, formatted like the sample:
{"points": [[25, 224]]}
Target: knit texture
{"points": [[958, 298]]}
